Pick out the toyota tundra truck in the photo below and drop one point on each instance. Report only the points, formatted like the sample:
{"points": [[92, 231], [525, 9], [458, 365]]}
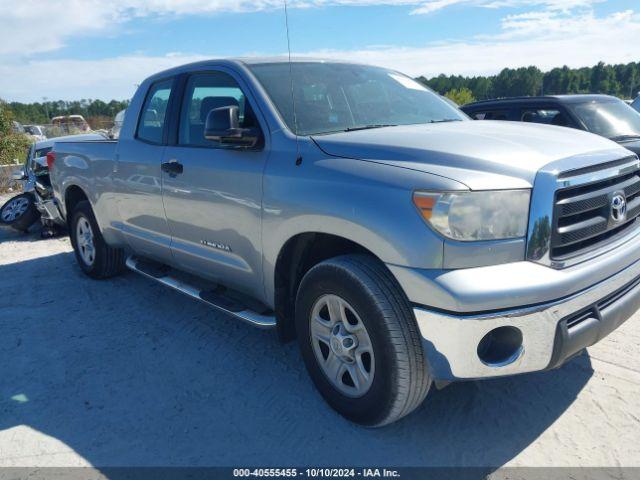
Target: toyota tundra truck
{"points": [[350, 207]]}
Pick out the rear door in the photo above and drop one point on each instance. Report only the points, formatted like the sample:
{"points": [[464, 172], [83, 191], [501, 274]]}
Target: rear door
{"points": [[137, 180], [213, 199]]}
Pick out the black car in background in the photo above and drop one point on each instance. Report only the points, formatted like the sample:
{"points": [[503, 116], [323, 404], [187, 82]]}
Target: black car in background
{"points": [[600, 114]]}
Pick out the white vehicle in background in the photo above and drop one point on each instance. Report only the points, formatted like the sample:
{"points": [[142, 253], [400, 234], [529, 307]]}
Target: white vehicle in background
{"points": [[71, 123], [16, 127], [117, 124], [36, 132]]}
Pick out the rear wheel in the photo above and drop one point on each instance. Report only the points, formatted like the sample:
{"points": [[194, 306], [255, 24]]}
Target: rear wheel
{"points": [[19, 212], [360, 341], [95, 257]]}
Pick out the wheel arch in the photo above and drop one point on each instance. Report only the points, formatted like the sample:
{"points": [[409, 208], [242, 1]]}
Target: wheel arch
{"points": [[296, 257], [73, 195]]}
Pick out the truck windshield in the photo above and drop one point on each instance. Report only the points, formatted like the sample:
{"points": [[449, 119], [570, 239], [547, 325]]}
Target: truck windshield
{"points": [[612, 119], [337, 97]]}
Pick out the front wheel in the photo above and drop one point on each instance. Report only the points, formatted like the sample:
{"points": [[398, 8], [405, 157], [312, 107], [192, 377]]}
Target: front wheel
{"points": [[360, 341], [95, 257]]}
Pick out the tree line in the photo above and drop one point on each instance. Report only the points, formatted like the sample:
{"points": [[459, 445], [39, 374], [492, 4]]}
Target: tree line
{"points": [[620, 80], [43, 112]]}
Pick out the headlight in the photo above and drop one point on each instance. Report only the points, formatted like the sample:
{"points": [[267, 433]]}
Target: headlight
{"points": [[472, 216]]}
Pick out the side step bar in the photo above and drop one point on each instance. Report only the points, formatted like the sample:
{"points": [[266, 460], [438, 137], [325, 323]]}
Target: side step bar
{"points": [[212, 296]]}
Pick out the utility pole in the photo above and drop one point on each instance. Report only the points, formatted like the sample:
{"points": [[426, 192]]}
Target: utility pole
{"points": [[46, 109]]}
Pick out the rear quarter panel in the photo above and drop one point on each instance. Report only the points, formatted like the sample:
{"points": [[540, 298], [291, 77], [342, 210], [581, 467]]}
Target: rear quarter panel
{"points": [[89, 166]]}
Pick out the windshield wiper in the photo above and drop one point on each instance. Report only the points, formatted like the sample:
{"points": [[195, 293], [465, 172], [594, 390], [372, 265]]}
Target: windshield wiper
{"points": [[621, 138], [368, 127], [446, 120]]}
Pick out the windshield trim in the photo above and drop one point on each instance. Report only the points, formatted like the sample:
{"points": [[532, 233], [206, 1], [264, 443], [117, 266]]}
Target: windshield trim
{"points": [[349, 130]]}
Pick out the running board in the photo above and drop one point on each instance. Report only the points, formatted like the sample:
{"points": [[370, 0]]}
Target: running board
{"points": [[214, 297]]}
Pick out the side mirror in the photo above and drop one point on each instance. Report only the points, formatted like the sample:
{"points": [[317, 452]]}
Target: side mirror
{"points": [[19, 175], [223, 126]]}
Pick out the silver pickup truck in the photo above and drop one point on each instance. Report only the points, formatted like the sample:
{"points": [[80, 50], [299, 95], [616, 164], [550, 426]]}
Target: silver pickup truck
{"points": [[348, 206]]}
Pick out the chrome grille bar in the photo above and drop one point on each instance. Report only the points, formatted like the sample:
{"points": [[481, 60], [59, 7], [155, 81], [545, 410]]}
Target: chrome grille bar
{"points": [[570, 215], [582, 216]]}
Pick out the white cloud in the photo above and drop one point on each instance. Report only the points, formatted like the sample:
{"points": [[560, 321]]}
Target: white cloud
{"points": [[430, 6], [106, 79], [34, 26], [559, 32], [583, 41], [435, 5]]}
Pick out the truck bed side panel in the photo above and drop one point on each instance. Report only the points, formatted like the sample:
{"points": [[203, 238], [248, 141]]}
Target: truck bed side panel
{"points": [[89, 166]]}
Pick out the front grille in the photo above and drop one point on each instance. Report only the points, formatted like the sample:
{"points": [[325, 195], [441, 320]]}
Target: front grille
{"points": [[582, 214]]}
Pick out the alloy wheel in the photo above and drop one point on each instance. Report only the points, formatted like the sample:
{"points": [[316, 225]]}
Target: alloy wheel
{"points": [[15, 209], [84, 241], [342, 345]]}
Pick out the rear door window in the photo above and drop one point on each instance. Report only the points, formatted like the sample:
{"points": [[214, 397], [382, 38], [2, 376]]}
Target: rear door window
{"points": [[491, 115], [151, 124], [546, 116]]}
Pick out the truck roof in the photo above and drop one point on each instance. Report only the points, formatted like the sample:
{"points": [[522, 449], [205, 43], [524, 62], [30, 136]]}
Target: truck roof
{"points": [[577, 98], [245, 61]]}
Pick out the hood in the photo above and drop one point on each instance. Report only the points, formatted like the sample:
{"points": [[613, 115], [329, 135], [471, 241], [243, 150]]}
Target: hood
{"points": [[480, 154]]}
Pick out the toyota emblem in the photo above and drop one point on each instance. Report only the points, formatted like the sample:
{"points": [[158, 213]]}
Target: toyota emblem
{"points": [[618, 208]]}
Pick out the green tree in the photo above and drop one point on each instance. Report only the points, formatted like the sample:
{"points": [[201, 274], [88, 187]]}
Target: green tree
{"points": [[620, 80], [13, 146], [604, 80], [461, 96], [42, 113]]}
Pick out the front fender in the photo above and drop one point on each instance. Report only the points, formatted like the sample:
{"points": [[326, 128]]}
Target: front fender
{"points": [[365, 202]]}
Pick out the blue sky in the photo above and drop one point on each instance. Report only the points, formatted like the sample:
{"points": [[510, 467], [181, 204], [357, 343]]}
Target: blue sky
{"points": [[99, 49]]}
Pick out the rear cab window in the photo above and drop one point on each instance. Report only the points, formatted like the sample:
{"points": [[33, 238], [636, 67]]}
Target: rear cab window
{"points": [[152, 121]]}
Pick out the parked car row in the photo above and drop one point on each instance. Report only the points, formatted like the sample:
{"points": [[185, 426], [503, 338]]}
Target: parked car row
{"points": [[60, 125], [37, 132]]}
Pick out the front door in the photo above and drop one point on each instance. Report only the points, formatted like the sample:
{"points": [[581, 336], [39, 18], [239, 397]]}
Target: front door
{"points": [[213, 195]]}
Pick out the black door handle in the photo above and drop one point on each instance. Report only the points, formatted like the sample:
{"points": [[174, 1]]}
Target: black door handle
{"points": [[172, 167]]}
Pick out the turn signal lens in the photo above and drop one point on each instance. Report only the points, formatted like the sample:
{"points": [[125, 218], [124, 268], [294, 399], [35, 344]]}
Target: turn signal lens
{"points": [[425, 203]]}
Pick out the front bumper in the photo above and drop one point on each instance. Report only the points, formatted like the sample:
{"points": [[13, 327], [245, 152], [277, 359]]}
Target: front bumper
{"points": [[551, 332]]}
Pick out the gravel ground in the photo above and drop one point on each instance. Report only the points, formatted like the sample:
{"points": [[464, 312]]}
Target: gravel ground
{"points": [[124, 372]]}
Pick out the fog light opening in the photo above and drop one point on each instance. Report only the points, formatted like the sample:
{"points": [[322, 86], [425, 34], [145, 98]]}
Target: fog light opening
{"points": [[500, 346]]}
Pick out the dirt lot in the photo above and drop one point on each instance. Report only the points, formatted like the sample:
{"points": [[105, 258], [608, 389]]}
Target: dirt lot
{"points": [[124, 372]]}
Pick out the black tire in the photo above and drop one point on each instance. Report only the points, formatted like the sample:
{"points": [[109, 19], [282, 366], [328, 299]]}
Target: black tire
{"points": [[23, 222], [401, 380], [107, 261]]}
